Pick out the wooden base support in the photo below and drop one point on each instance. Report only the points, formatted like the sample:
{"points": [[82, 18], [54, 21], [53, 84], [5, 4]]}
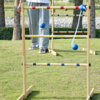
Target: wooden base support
{"points": [[53, 52], [28, 91], [91, 51], [91, 93]]}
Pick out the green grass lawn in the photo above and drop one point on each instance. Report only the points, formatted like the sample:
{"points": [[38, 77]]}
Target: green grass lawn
{"points": [[49, 82], [9, 9]]}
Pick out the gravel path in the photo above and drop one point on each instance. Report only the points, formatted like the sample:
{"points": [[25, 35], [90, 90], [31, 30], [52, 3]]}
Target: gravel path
{"points": [[58, 22]]}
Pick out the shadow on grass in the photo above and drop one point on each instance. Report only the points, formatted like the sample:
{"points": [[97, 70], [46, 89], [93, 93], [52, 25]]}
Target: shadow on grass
{"points": [[33, 94], [96, 96], [74, 51], [97, 52], [9, 8], [67, 51]]}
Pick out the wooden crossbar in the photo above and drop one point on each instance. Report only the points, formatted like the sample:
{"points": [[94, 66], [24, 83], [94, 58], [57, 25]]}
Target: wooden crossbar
{"points": [[63, 15], [57, 36], [57, 64], [52, 7], [69, 31]]}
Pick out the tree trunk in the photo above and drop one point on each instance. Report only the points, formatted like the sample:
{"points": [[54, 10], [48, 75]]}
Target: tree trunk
{"points": [[76, 11], [16, 30], [2, 14], [92, 19]]}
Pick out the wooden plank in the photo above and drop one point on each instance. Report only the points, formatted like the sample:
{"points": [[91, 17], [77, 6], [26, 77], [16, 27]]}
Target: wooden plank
{"points": [[57, 36], [69, 31], [21, 97], [23, 50], [56, 64], [65, 15], [53, 7], [53, 52], [29, 90], [52, 41], [91, 51], [88, 49], [90, 95]]}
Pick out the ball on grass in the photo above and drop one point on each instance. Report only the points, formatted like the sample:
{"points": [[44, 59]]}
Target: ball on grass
{"points": [[42, 25], [74, 46]]}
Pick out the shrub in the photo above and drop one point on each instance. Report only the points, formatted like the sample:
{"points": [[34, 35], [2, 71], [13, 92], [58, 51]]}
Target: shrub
{"points": [[71, 1], [7, 33]]}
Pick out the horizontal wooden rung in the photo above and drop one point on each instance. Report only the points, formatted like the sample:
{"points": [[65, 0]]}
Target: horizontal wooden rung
{"points": [[52, 7], [56, 64], [62, 15], [58, 36], [69, 31]]}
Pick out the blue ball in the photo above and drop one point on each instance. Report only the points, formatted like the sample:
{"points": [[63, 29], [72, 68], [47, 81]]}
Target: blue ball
{"points": [[42, 25], [74, 46], [82, 7]]}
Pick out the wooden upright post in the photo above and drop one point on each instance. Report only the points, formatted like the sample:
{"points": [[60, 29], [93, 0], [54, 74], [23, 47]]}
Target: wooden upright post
{"points": [[29, 90], [52, 45], [88, 48], [23, 52]]}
